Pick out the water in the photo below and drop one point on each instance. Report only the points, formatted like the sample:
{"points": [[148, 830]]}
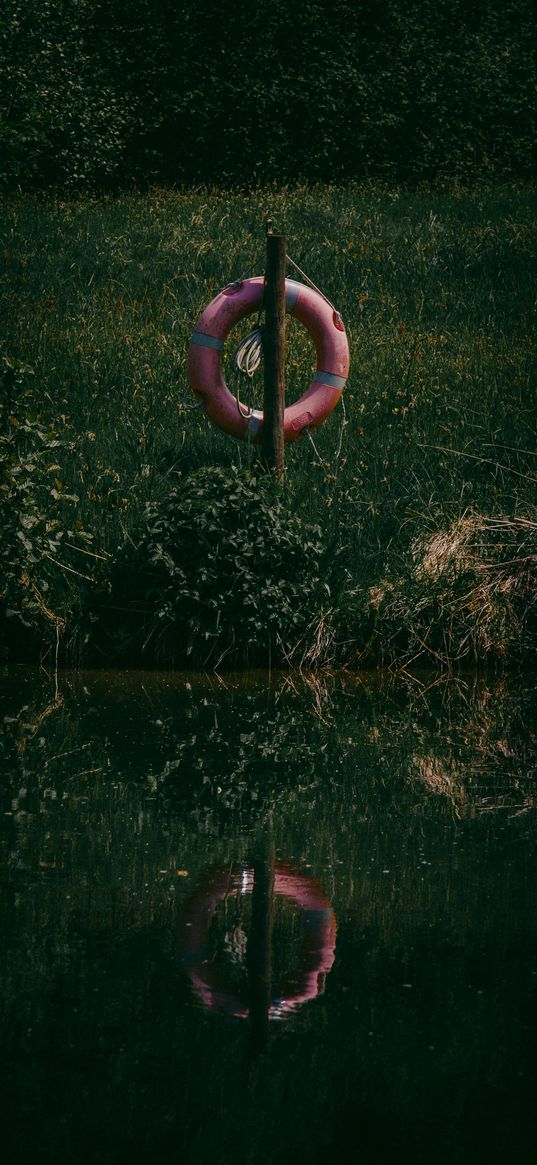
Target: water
{"points": [[160, 1004]]}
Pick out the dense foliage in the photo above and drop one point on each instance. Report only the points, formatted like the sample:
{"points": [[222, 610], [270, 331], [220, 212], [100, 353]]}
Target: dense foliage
{"points": [[223, 567], [96, 94]]}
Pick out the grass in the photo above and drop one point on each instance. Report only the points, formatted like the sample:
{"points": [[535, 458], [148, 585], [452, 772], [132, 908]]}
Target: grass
{"points": [[98, 299]]}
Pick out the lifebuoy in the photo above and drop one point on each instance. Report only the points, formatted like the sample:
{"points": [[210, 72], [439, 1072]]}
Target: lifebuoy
{"points": [[215, 323], [317, 950]]}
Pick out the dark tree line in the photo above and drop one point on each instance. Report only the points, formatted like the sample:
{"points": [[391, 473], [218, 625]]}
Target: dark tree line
{"points": [[103, 93]]}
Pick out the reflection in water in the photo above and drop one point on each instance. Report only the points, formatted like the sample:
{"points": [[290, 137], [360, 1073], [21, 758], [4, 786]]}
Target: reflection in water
{"points": [[132, 804], [302, 983]]}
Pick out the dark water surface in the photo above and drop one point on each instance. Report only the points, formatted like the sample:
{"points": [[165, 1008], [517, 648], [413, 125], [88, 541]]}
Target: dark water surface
{"points": [[144, 820]]}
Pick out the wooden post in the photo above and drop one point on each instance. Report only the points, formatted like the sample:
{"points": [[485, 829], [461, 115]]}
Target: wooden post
{"points": [[274, 355], [259, 953]]}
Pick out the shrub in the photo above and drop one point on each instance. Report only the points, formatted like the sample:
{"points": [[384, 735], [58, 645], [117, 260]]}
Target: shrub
{"points": [[223, 569]]}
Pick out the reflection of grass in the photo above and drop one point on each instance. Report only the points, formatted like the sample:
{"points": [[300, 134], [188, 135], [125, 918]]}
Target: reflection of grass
{"points": [[439, 777], [235, 751], [436, 291], [129, 791]]}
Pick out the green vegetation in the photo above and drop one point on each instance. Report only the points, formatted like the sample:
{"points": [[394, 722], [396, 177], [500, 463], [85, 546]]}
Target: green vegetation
{"points": [[120, 792], [95, 94], [420, 493], [222, 566]]}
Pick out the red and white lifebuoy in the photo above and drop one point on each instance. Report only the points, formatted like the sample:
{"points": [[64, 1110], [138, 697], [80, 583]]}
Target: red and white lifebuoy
{"points": [[317, 952], [214, 325]]}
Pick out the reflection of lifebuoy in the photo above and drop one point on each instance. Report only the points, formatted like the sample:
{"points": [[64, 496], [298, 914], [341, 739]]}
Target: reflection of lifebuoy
{"points": [[317, 951], [215, 323]]}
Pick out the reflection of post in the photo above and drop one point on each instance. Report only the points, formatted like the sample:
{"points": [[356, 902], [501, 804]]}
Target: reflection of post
{"points": [[260, 942]]}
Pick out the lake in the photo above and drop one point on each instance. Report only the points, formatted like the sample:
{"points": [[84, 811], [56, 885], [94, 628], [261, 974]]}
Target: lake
{"points": [[268, 918]]}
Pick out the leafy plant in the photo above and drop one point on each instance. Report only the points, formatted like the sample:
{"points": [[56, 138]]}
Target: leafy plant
{"points": [[96, 94], [224, 568]]}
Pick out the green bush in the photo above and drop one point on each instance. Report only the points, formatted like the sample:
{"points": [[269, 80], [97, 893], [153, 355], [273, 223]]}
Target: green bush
{"points": [[64, 119], [94, 94], [224, 568]]}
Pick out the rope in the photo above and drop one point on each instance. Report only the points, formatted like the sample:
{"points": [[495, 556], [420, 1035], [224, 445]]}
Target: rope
{"points": [[315, 449], [237, 282], [247, 358], [344, 422], [312, 284], [337, 454], [247, 354]]}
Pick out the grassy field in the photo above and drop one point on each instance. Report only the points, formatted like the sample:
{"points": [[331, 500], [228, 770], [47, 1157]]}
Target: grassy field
{"points": [[416, 508]]}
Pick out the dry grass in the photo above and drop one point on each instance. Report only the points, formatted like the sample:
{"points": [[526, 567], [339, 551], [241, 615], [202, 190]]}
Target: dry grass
{"points": [[493, 561]]}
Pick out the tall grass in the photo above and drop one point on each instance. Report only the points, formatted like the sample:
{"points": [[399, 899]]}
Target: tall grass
{"points": [[98, 299]]}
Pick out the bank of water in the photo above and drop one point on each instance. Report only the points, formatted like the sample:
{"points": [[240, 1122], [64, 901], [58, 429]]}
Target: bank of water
{"points": [[396, 821]]}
